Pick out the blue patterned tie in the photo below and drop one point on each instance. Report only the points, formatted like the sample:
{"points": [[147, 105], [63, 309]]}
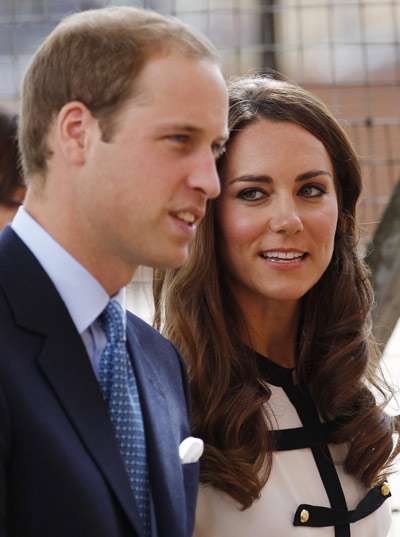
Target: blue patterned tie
{"points": [[118, 385]]}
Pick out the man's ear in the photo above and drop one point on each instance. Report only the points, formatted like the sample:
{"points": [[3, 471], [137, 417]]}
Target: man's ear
{"points": [[75, 125]]}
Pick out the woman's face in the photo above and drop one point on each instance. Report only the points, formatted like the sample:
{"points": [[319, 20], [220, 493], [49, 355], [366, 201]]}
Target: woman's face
{"points": [[277, 213], [9, 206]]}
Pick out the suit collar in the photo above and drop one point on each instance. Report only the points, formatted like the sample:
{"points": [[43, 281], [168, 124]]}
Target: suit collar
{"points": [[31, 294], [69, 277]]}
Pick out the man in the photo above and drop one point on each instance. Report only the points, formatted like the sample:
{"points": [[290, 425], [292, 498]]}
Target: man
{"points": [[123, 115]]}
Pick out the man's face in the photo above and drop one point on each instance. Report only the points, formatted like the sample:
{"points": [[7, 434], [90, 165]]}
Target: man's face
{"points": [[147, 188]]}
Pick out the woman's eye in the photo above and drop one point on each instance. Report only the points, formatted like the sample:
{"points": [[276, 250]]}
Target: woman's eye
{"points": [[312, 191], [251, 194]]}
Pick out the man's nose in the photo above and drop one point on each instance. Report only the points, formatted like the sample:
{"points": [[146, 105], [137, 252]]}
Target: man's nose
{"points": [[204, 176]]}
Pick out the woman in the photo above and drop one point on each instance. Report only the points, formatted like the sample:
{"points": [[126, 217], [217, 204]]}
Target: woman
{"points": [[272, 314], [12, 189]]}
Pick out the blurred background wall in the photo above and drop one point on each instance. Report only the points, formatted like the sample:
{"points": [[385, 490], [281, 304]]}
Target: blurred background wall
{"points": [[346, 51]]}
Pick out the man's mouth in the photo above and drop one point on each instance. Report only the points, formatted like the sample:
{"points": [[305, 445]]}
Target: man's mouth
{"points": [[187, 217]]}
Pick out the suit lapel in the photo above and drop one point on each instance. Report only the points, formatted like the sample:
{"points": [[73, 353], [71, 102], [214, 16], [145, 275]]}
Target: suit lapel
{"points": [[162, 446], [70, 373], [64, 361]]}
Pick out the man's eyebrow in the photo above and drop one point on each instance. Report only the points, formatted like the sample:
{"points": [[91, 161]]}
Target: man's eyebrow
{"points": [[267, 179], [181, 126], [192, 129]]}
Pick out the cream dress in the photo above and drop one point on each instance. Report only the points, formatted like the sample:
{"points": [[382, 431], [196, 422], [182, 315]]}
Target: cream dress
{"points": [[308, 494]]}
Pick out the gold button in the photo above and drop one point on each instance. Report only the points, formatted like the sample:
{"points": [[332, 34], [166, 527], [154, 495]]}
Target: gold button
{"points": [[304, 516], [385, 489]]}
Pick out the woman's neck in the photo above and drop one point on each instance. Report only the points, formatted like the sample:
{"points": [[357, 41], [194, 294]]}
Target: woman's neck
{"points": [[273, 331]]}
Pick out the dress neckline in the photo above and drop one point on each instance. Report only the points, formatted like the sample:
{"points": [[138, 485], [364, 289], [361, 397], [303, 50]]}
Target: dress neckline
{"points": [[274, 373]]}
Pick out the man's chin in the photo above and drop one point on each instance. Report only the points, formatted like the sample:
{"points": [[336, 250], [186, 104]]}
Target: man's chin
{"points": [[170, 262]]}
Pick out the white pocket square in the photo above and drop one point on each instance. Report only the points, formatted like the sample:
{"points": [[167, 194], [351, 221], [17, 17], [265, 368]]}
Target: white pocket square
{"points": [[191, 449]]}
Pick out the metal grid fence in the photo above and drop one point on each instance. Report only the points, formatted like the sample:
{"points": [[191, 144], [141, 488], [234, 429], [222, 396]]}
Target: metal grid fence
{"points": [[346, 51]]}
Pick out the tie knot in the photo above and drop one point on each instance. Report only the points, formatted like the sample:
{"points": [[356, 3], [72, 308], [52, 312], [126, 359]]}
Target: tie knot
{"points": [[111, 320]]}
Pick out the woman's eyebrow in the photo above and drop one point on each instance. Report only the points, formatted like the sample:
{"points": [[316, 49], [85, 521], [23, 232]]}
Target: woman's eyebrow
{"points": [[310, 175], [249, 178], [252, 179]]}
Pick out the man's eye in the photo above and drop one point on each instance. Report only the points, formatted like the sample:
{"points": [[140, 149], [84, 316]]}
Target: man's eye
{"points": [[179, 138], [251, 194], [218, 150]]}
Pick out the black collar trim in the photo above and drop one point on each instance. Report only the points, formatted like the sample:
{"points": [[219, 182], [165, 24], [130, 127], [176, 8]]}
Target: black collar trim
{"points": [[274, 373], [320, 517]]}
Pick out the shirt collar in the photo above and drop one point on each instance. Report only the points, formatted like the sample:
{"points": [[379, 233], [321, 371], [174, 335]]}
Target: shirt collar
{"points": [[84, 297]]}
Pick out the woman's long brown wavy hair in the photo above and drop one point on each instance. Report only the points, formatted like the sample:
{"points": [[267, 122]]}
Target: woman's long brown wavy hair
{"points": [[337, 358]]}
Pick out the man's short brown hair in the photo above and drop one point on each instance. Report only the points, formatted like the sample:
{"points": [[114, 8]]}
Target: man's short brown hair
{"points": [[94, 57]]}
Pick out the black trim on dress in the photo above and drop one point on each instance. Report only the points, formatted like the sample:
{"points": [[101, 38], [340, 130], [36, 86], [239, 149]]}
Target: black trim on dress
{"points": [[315, 435]]}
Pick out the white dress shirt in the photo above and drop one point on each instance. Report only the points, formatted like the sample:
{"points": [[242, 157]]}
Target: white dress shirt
{"points": [[84, 297]]}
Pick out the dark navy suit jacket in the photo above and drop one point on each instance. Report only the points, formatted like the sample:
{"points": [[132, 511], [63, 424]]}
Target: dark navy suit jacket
{"points": [[61, 474]]}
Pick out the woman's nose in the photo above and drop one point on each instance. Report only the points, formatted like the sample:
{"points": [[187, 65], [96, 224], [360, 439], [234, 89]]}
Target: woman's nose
{"points": [[285, 218]]}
